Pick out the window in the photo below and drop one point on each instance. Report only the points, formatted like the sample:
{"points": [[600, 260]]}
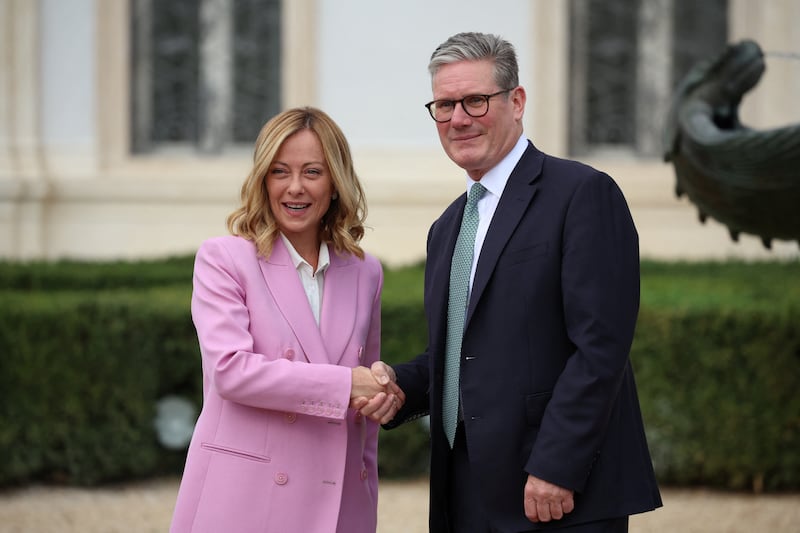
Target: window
{"points": [[205, 73], [626, 56]]}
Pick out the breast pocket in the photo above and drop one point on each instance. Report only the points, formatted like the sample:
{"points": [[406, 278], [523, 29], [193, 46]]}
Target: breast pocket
{"points": [[521, 255]]}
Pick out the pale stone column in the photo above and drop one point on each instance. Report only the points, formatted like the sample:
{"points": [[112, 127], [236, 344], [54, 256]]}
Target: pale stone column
{"points": [[19, 88], [547, 111], [115, 87], [299, 53], [774, 26], [24, 185]]}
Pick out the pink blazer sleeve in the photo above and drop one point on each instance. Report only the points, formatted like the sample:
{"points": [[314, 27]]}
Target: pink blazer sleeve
{"points": [[228, 300]]}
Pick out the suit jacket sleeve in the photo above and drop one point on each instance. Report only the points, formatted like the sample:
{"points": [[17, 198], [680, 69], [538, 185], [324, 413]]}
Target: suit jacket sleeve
{"points": [[600, 287], [414, 376]]}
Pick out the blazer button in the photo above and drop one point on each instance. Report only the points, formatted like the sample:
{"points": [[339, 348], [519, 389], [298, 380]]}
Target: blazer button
{"points": [[291, 417], [363, 474], [289, 353], [281, 478], [359, 417]]}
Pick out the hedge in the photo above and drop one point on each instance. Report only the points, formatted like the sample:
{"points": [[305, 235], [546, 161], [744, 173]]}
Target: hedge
{"points": [[86, 351], [718, 390]]}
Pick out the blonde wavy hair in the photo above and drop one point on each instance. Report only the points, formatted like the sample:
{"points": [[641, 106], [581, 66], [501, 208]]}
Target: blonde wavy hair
{"points": [[342, 226]]}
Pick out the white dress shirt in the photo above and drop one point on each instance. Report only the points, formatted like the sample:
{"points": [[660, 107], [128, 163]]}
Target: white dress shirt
{"points": [[495, 182], [313, 281]]}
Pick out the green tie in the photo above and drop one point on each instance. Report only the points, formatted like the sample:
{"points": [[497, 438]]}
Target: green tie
{"points": [[460, 270]]}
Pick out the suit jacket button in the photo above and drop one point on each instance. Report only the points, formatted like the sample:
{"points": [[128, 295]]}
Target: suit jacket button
{"points": [[363, 474], [281, 478], [359, 417], [291, 417], [289, 353]]}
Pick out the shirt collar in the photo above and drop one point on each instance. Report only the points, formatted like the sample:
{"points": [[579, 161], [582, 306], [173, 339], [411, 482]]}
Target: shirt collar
{"points": [[496, 178], [323, 262]]}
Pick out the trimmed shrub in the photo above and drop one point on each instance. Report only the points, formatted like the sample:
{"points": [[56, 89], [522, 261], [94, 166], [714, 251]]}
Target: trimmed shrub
{"points": [[86, 351], [719, 396], [80, 376]]}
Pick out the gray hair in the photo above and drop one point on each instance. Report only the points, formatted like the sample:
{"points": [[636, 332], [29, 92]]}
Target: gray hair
{"points": [[472, 46]]}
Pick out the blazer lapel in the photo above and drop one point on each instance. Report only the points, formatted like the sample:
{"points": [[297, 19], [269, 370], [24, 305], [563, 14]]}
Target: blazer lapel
{"points": [[517, 196], [338, 313], [287, 292], [439, 266]]}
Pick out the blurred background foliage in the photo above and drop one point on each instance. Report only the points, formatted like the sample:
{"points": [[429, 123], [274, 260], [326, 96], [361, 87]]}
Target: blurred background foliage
{"points": [[88, 349]]}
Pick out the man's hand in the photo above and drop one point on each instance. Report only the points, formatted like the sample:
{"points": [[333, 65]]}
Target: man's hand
{"points": [[545, 501], [383, 406]]}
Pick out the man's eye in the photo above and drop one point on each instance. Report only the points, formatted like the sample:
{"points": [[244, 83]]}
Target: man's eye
{"points": [[474, 101], [445, 105]]}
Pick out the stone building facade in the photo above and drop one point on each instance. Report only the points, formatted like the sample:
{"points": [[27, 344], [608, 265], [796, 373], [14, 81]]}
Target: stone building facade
{"points": [[124, 134]]}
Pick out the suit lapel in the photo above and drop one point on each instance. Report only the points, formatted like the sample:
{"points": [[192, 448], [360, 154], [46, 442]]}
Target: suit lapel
{"points": [[287, 291], [517, 196], [439, 266], [338, 313]]}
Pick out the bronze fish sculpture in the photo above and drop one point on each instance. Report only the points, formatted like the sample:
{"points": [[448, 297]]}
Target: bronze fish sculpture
{"points": [[745, 178]]}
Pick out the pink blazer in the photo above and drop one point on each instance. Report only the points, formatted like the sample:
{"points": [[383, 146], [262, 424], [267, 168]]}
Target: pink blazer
{"points": [[276, 448]]}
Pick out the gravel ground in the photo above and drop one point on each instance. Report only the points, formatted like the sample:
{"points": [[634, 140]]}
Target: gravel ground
{"points": [[147, 506]]}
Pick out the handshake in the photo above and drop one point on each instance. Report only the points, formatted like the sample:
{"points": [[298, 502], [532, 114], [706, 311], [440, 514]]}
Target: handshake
{"points": [[375, 392]]}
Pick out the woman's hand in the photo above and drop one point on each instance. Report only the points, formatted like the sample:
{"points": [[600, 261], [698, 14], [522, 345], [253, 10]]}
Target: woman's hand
{"points": [[375, 392]]}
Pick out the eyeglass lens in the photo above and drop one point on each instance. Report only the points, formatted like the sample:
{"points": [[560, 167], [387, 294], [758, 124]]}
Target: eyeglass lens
{"points": [[474, 105]]}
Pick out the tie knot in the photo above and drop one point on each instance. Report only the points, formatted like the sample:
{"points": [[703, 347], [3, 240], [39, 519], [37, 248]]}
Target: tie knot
{"points": [[475, 193]]}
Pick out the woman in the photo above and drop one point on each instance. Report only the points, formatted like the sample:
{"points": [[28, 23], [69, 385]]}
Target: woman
{"points": [[287, 312]]}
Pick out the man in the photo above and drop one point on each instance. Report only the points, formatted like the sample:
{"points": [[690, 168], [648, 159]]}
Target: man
{"points": [[548, 432]]}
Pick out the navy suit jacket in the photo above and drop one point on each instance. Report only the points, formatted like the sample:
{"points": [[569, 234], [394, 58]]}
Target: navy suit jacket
{"points": [[546, 381]]}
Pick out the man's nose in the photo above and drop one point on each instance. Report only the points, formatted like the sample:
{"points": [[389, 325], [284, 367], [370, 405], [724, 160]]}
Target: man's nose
{"points": [[460, 115]]}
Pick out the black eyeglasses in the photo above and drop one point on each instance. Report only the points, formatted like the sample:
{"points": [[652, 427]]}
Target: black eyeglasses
{"points": [[474, 105]]}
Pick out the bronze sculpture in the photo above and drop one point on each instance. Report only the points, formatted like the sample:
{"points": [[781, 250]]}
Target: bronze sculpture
{"points": [[747, 179]]}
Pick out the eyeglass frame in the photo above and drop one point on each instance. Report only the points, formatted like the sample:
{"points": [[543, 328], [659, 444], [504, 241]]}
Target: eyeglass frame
{"points": [[486, 98]]}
